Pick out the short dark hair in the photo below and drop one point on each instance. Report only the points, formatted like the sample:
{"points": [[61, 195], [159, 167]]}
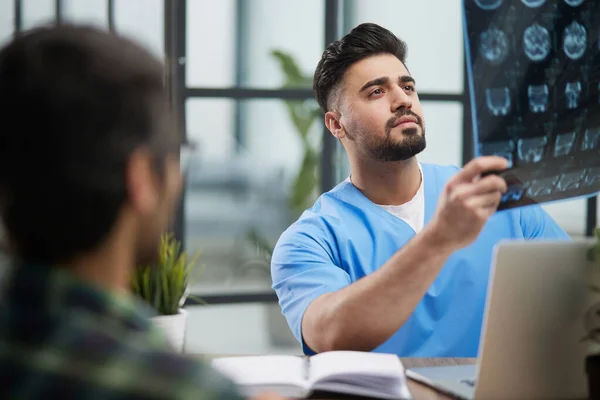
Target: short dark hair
{"points": [[75, 102], [363, 41]]}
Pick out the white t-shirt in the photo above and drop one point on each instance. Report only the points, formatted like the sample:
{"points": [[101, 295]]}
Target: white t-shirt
{"points": [[412, 212]]}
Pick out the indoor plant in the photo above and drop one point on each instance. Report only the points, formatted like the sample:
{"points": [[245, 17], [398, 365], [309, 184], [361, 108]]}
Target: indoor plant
{"points": [[164, 284]]}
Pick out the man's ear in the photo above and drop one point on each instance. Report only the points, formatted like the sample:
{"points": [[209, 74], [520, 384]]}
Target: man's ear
{"points": [[333, 123], [141, 181]]}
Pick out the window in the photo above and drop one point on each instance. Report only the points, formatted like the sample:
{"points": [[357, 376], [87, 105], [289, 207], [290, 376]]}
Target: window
{"points": [[434, 39], [37, 12], [86, 11], [250, 152], [7, 21], [211, 61], [143, 20], [444, 132], [292, 27]]}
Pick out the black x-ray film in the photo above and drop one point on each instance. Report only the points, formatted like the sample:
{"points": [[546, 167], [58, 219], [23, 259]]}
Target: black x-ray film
{"points": [[534, 80]]}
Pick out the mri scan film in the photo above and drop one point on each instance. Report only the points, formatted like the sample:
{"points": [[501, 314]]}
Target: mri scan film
{"points": [[534, 83]]}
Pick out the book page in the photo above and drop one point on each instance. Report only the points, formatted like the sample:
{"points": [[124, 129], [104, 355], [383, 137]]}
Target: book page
{"points": [[265, 371], [359, 373], [354, 363]]}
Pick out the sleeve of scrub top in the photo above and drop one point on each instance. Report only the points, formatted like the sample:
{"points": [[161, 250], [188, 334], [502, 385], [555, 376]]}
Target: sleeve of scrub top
{"points": [[302, 269], [536, 223]]}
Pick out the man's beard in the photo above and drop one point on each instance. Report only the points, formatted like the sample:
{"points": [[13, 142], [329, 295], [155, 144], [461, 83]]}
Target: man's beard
{"points": [[389, 149]]}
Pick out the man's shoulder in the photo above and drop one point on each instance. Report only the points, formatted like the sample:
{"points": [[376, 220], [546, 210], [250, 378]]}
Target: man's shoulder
{"points": [[320, 225], [110, 362], [329, 206]]}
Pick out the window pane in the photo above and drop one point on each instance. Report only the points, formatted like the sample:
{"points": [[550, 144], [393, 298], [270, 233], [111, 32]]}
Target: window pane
{"points": [[570, 215], [86, 11], [210, 62], [444, 132], [7, 21], [242, 182], [142, 20], [265, 330], [294, 27], [210, 126], [434, 38], [37, 12]]}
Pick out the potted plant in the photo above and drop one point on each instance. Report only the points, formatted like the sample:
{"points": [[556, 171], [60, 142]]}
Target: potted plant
{"points": [[164, 286], [592, 321]]}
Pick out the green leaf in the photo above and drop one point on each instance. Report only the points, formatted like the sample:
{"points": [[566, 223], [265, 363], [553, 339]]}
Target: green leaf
{"points": [[164, 283], [305, 183], [258, 241], [290, 69], [303, 116]]}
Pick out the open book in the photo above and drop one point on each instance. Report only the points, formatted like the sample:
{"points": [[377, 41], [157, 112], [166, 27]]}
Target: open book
{"points": [[349, 372]]}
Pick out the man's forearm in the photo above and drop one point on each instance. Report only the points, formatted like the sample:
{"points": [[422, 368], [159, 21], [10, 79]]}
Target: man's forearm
{"points": [[365, 314]]}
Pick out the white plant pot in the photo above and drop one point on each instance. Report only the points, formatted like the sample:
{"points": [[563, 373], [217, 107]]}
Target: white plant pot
{"points": [[173, 327]]}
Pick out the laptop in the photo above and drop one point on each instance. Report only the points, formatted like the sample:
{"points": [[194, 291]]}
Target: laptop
{"points": [[539, 315]]}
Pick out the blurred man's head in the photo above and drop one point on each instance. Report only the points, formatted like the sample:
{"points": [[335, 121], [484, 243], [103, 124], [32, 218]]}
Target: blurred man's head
{"points": [[369, 97], [88, 153]]}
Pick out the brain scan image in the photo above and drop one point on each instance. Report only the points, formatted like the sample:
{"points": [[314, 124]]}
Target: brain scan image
{"points": [[503, 149], [531, 150], [571, 181], [591, 139], [533, 3], [533, 71], [536, 42], [574, 3], [538, 98], [542, 187], [498, 101], [564, 144], [574, 40], [592, 177], [513, 193], [493, 46], [488, 4], [572, 94]]}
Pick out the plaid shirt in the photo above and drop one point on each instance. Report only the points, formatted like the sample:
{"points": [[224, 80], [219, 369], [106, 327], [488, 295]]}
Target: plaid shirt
{"points": [[61, 338]]}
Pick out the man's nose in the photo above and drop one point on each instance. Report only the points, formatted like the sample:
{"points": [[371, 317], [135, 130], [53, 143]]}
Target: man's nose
{"points": [[400, 99]]}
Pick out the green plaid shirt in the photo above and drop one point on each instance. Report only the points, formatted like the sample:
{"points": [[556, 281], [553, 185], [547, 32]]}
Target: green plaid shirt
{"points": [[61, 338]]}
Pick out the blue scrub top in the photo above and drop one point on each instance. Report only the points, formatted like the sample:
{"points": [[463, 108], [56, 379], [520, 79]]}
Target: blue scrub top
{"points": [[345, 236]]}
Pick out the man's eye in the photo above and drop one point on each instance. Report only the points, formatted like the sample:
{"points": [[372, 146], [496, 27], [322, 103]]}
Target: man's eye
{"points": [[376, 92], [410, 88]]}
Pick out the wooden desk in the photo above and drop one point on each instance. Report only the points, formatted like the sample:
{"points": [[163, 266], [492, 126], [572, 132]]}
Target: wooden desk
{"points": [[418, 390]]}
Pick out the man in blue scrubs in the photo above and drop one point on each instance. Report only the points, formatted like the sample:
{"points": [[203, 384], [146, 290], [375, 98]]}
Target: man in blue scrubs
{"points": [[396, 258]]}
